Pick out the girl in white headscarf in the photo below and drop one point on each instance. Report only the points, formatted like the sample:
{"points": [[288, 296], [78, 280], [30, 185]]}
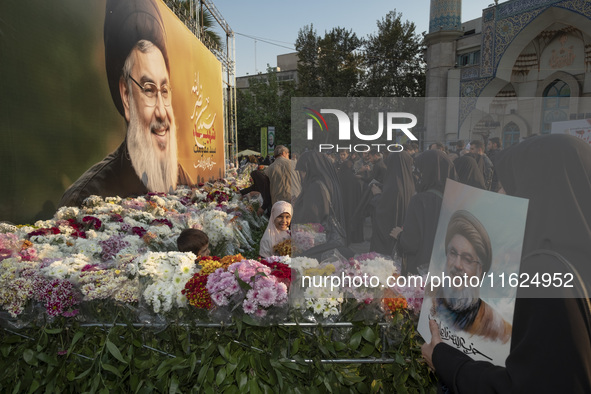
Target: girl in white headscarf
{"points": [[277, 229]]}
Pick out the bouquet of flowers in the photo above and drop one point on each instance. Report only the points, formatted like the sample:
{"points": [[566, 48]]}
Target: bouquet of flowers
{"points": [[305, 236], [283, 248], [248, 286], [165, 276], [195, 289], [313, 297]]}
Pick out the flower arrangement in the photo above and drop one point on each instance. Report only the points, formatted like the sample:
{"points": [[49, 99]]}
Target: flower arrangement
{"points": [[166, 274], [306, 236], [313, 298], [195, 289], [283, 248], [247, 285]]}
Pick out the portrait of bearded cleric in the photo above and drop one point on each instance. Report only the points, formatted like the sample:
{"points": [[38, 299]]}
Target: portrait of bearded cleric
{"points": [[138, 74], [468, 254]]}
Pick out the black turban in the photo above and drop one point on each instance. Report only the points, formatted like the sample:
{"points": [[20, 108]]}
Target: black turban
{"points": [[126, 23], [465, 224]]}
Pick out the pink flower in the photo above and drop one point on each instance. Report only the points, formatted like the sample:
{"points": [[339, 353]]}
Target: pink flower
{"points": [[219, 299], [266, 296], [261, 313], [249, 307]]}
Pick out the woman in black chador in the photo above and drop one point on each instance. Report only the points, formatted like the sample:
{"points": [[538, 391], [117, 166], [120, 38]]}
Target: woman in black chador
{"points": [[389, 206], [320, 202], [469, 173], [416, 237]]}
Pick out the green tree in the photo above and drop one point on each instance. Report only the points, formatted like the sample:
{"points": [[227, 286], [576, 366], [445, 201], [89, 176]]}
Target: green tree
{"points": [[267, 102], [206, 22], [329, 65], [307, 46], [394, 65]]}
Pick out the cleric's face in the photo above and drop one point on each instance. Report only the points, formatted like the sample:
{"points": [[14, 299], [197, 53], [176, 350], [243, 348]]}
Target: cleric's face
{"points": [[462, 258], [154, 114], [151, 132]]}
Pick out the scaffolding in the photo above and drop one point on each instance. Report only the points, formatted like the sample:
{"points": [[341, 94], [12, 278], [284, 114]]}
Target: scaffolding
{"points": [[226, 56]]}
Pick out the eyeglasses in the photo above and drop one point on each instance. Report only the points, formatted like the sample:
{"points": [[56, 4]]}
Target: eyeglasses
{"points": [[150, 91], [466, 258]]}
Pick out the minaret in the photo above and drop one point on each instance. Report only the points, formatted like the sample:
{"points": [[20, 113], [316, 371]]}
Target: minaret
{"points": [[445, 27]]}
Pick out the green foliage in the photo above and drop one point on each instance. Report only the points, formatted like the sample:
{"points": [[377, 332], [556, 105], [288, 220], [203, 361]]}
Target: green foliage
{"points": [[267, 102], [238, 358], [328, 66], [339, 64], [393, 60]]}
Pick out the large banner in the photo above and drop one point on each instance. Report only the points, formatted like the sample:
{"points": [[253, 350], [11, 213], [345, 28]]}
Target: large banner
{"points": [[61, 102], [579, 128]]}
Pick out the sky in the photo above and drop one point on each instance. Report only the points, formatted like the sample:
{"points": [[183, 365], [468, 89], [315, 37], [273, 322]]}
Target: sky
{"points": [[264, 29]]}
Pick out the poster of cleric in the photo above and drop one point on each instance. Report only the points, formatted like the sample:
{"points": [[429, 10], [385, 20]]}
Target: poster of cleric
{"points": [[105, 97], [477, 250]]}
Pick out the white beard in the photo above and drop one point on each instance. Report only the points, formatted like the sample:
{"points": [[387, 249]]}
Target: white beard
{"points": [[459, 300], [157, 169]]}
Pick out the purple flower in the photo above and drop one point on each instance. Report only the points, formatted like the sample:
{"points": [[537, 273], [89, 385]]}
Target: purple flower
{"points": [[71, 313], [112, 246], [162, 221], [139, 231], [115, 217], [92, 221]]}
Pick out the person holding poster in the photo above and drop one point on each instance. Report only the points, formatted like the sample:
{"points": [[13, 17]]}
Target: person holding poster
{"points": [[138, 75], [551, 337]]}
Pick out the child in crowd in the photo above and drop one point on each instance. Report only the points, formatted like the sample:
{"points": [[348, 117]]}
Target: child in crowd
{"points": [[277, 229], [193, 240]]}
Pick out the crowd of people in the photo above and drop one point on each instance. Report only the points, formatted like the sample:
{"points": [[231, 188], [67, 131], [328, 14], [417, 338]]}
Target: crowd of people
{"points": [[401, 195], [343, 190]]}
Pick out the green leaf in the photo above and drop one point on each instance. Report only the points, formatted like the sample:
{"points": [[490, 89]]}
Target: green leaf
{"points": [[76, 338], [193, 362], [368, 334], [174, 385], [296, 346], [399, 359], [210, 375], [47, 359], [53, 330], [242, 382], [221, 376], [202, 372], [95, 383], [230, 368], [34, 386], [29, 357], [355, 341], [83, 374], [367, 350], [115, 351], [112, 369], [254, 386]]}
